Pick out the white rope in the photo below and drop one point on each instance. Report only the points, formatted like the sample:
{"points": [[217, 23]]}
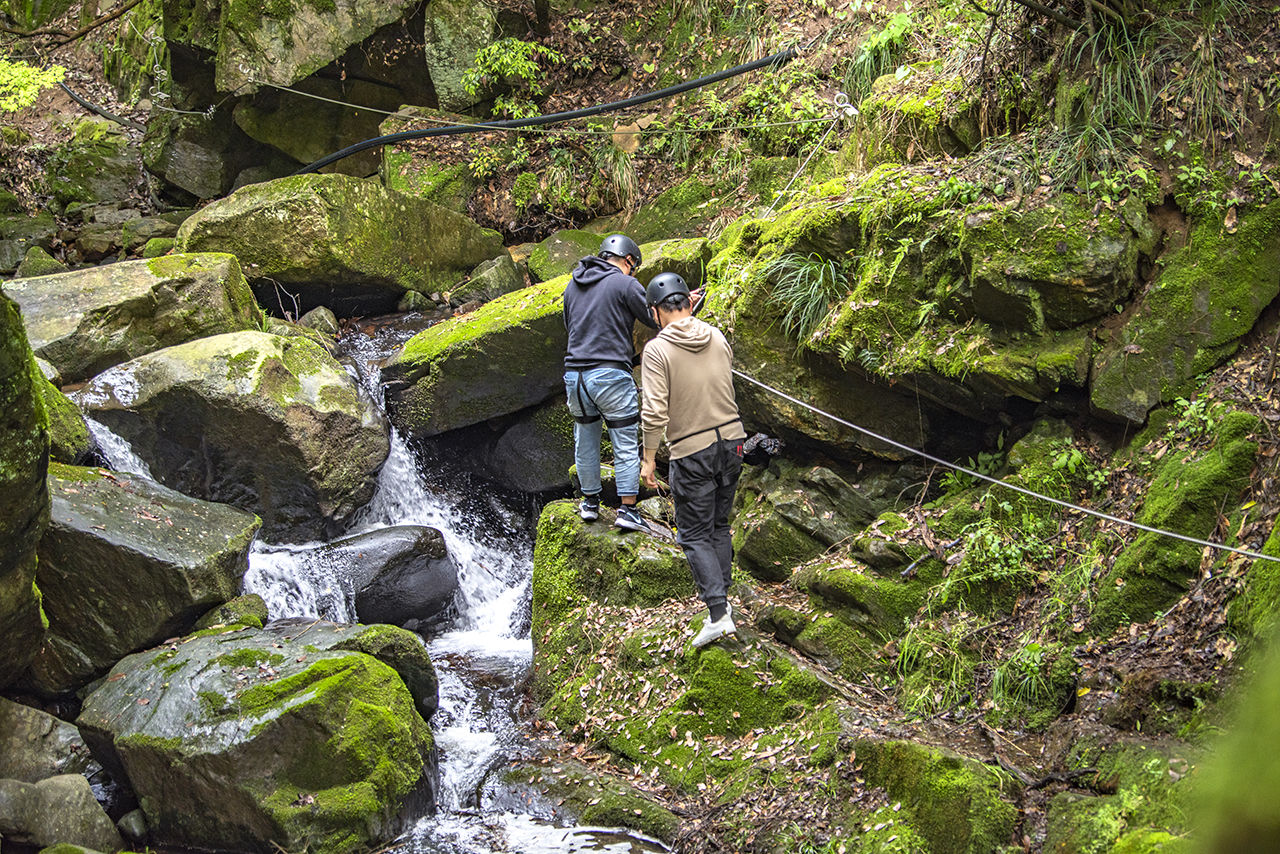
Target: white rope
{"points": [[997, 482], [844, 108]]}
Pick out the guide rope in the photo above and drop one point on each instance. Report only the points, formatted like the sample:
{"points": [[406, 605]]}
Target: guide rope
{"points": [[1014, 487]]}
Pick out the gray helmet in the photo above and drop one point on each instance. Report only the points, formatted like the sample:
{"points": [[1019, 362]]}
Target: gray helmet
{"points": [[620, 245], [664, 285]]}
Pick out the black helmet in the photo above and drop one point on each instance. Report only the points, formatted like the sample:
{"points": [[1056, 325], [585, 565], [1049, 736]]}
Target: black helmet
{"points": [[664, 285], [620, 245]]}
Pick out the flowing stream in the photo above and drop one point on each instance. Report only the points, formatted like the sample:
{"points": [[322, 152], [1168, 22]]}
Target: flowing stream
{"points": [[483, 657]]}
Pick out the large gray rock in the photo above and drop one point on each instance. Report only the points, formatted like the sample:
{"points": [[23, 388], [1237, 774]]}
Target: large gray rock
{"points": [[501, 358], [35, 746], [85, 321], [172, 558], [99, 163], [254, 736], [19, 234], [200, 154], [269, 424], [24, 498], [454, 31], [59, 810], [340, 241]]}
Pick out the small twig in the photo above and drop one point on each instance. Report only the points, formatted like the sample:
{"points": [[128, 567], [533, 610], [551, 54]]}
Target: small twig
{"points": [[105, 19], [1052, 13]]}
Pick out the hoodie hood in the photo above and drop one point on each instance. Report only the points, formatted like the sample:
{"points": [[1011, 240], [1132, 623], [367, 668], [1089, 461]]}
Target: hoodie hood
{"points": [[591, 270], [688, 333]]}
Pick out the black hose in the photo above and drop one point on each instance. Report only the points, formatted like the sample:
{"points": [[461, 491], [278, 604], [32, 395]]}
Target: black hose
{"points": [[778, 59], [94, 108]]}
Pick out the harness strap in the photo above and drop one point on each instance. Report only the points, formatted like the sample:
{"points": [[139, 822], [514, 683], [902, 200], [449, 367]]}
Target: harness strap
{"points": [[623, 422], [705, 430]]}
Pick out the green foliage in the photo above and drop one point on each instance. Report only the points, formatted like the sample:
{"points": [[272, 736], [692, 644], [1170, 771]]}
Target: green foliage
{"points": [[936, 665], [20, 83], [879, 54], [996, 554], [987, 462], [1020, 678], [777, 100], [1196, 418], [514, 63], [805, 287]]}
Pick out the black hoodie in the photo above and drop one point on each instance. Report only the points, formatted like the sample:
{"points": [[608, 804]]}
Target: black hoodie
{"points": [[601, 304]]}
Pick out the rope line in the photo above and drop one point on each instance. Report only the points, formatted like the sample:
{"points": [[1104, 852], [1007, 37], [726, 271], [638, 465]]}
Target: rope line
{"points": [[1028, 492], [777, 59]]}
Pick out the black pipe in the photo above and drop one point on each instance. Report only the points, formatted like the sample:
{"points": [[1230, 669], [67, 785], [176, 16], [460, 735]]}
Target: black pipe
{"points": [[102, 111], [778, 59]]}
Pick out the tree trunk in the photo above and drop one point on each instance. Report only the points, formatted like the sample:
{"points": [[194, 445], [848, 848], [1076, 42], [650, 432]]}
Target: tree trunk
{"points": [[542, 16]]}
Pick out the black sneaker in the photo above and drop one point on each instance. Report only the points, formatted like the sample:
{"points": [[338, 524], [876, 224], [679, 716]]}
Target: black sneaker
{"points": [[589, 508], [629, 519]]}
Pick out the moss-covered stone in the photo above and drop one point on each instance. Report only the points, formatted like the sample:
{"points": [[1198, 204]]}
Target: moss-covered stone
{"points": [[86, 321], [1186, 495], [956, 803], [318, 441], [459, 372], [310, 748], [1206, 296], [454, 31], [19, 233], [69, 439], [158, 246], [38, 262], [408, 173], [590, 798], [920, 116], [559, 254], [98, 164], [341, 241], [130, 63], [24, 496], [247, 610]]}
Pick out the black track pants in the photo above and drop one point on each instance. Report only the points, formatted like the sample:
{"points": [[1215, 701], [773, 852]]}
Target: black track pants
{"points": [[702, 485]]}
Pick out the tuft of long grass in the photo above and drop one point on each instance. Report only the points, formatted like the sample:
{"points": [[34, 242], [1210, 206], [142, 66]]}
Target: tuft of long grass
{"points": [[805, 286], [619, 171]]}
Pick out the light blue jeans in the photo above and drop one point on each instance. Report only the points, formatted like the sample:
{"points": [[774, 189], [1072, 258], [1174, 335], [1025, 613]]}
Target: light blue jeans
{"points": [[611, 394]]}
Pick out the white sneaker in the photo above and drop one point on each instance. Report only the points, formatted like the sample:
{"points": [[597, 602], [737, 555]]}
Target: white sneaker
{"points": [[712, 631]]}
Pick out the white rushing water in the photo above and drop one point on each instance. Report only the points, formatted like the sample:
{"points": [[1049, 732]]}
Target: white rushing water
{"points": [[483, 658], [118, 453]]}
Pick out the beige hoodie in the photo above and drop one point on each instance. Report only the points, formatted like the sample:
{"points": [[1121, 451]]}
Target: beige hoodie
{"points": [[688, 388]]}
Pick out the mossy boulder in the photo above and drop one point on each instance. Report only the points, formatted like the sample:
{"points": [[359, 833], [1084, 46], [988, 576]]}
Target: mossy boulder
{"points": [[98, 164], [252, 735], [405, 171], [247, 610], [787, 514], [86, 321], [172, 558], [955, 803], [315, 441], [686, 257], [559, 254], [35, 746], [577, 793], [454, 30], [38, 262], [490, 280], [24, 495], [1186, 495], [56, 810], [69, 439], [341, 241], [1206, 296], [575, 562], [199, 155], [460, 372], [20, 233], [923, 115], [130, 63], [879, 606]]}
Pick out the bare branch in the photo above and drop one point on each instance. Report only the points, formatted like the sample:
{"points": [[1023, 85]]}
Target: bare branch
{"points": [[1052, 13]]}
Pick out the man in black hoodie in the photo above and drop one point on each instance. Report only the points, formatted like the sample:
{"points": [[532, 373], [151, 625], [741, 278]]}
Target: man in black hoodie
{"points": [[602, 302]]}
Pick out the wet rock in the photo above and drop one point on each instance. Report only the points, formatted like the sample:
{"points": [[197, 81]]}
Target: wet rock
{"points": [[316, 442], [35, 746], [248, 610], [788, 514], [24, 496], [254, 734], [581, 795], [531, 451], [57, 810], [1206, 297], [172, 558], [322, 320], [340, 241], [19, 233], [69, 439], [38, 262], [85, 321], [559, 254], [402, 575], [459, 372]]}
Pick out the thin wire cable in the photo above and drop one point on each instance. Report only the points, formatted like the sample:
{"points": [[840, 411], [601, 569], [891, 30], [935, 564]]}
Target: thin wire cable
{"points": [[783, 192], [995, 481]]}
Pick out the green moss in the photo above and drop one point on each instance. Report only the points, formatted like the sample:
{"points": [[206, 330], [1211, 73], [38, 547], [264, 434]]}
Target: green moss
{"points": [[524, 189], [69, 440], [248, 610], [248, 658], [1256, 610], [880, 605]]}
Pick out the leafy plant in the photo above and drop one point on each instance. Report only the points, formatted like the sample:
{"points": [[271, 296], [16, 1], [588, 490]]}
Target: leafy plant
{"points": [[516, 64], [20, 83], [879, 54], [1196, 417], [805, 287], [1021, 677]]}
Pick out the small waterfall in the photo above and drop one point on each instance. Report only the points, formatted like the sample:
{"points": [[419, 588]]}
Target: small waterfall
{"points": [[118, 453]]}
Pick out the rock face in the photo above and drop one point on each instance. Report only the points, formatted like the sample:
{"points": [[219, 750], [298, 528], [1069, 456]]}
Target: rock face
{"points": [[59, 810], [85, 321], [24, 497], [99, 164], [271, 425], [340, 241], [171, 559], [499, 359], [454, 31], [19, 234], [35, 746], [559, 254], [264, 735]]}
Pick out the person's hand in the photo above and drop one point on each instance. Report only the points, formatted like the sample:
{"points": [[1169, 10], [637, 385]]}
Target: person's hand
{"points": [[647, 474], [695, 296]]}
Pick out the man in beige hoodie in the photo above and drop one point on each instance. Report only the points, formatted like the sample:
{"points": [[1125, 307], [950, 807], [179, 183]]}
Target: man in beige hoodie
{"points": [[688, 393]]}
